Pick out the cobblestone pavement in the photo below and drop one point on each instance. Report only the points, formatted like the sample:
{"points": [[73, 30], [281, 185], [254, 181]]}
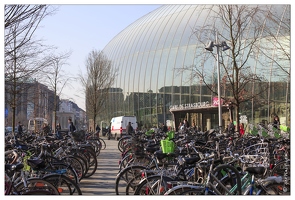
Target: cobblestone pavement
{"points": [[102, 182]]}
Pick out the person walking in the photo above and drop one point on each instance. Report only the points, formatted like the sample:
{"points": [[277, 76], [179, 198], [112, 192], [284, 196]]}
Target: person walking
{"points": [[46, 129], [97, 128], [109, 131], [129, 129]]}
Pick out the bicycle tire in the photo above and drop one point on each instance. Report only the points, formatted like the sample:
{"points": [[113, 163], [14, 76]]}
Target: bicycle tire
{"points": [[121, 142], [70, 171], [64, 184], [153, 185], [272, 188], [145, 161], [124, 176], [34, 185], [103, 144], [124, 161], [77, 164], [96, 145], [179, 189], [132, 184], [279, 168], [197, 191], [92, 159], [83, 161], [233, 175]]}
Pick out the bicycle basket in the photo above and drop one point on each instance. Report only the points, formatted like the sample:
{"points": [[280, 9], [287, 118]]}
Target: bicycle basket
{"points": [[167, 146], [257, 149], [257, 154], [149, 132], [171, 134], [78, 136]]}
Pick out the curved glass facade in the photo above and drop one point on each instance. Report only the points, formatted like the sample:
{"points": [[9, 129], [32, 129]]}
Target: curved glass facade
{"points": [[156, 56]]}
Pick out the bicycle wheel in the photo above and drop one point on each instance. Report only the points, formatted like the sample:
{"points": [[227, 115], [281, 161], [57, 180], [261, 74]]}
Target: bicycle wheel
{"points": [[132, 184], [229, 177], [96, 144], [154, 185], [92, 159], [103, 144], [142, 160], [90, 156], [36, 186], [197, 191], [83, 161], [123, 178], [122, 142], [279, 168], [123, 162], [64, 185], [70, 172], [274, 188], [77, 164], [179, 189]]}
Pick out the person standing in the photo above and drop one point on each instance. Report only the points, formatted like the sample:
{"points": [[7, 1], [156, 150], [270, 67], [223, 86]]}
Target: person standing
{"points": [[276, 122], [58, 133], [19, 129], [165, 129], [46, 129], [194, 126], [186, 124], [71, 126], [231, 127], [242, 130], [180, 126], [129, 129]]}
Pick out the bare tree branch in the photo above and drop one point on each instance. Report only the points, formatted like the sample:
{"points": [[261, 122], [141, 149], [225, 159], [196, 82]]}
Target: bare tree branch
{"points": [[97, 82]]}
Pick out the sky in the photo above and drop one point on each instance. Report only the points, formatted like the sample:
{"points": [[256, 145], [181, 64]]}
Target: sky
{"points": [[83, 28]]}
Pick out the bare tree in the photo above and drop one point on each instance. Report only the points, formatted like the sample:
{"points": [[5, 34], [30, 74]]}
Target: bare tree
{"points": [[97, 82], [22, 52], [56, 79], [277, 49], [20, 24], [241, 27]]}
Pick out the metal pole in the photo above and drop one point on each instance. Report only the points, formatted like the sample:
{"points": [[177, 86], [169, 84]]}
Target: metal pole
{"points": [[218, 85]]}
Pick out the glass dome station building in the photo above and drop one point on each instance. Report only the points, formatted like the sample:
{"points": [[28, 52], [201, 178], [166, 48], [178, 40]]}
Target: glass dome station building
{"points": [[163, 67]]}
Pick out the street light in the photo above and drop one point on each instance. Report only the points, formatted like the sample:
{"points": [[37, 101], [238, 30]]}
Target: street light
{"points": [[224, 47]]}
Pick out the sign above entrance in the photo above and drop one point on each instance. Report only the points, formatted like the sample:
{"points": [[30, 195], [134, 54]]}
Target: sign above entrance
{"points": [[190, 106], [215, 101]]}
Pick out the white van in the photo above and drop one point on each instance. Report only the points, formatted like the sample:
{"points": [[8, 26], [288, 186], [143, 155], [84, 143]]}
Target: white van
{"points": [[118, 125]]}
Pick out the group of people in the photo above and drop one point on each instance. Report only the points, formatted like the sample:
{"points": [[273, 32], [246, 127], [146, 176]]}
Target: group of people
{"points": [[231, 126], [183, 125], [47, 131]]}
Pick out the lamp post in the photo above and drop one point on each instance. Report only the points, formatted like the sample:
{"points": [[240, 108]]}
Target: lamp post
{"points": [[224, 47]]}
